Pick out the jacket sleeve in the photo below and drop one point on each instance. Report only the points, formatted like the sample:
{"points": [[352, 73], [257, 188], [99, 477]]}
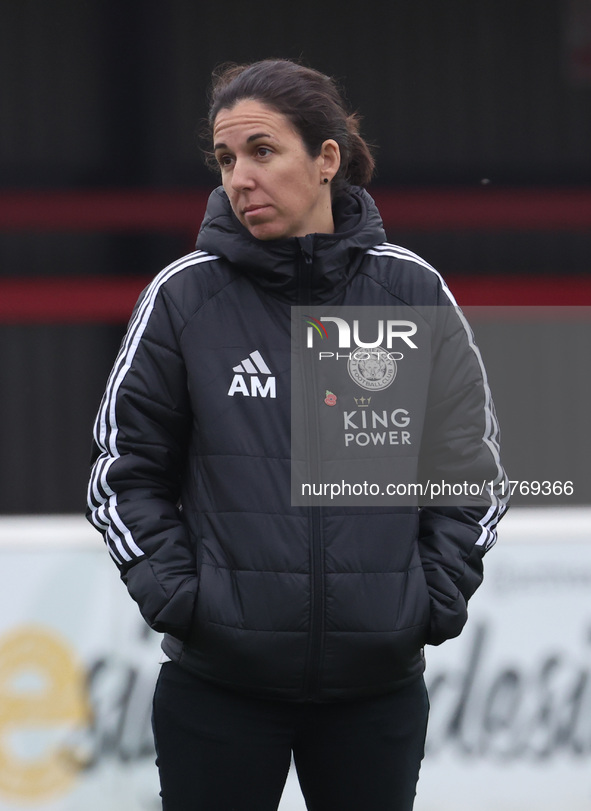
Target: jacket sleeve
{"points": [[141, 435], [461, 469]]}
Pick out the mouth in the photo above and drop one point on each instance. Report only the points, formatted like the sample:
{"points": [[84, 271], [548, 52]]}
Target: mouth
{"points": [[253, 210]]}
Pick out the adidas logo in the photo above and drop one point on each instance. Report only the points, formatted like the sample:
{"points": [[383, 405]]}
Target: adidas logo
{"points": [[249, 370]]}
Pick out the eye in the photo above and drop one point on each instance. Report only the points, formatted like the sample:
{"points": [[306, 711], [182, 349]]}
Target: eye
{"points": [[224, 161], [264, 151]]}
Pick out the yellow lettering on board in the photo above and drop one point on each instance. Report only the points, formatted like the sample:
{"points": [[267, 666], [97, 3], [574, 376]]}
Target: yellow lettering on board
{"points": [[42, 701]]}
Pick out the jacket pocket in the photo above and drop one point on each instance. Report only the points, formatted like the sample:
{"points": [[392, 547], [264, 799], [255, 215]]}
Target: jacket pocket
{"points": [[414, 608], [448, 609]]}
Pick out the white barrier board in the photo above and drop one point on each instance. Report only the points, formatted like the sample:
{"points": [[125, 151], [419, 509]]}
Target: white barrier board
{"points": [[510, 724]]}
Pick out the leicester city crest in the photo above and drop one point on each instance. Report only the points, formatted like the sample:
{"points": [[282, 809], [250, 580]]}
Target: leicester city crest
{"points": [[372, 369]]}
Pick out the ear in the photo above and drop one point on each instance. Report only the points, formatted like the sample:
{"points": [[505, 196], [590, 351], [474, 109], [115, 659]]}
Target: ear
{"points": [[329, 158]]}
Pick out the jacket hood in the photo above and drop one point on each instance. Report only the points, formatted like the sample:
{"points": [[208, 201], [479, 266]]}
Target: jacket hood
{"points": [[306, 269]]}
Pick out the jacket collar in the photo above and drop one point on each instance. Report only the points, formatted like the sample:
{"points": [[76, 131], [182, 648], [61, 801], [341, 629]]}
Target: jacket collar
{"points": [[311, 269]]}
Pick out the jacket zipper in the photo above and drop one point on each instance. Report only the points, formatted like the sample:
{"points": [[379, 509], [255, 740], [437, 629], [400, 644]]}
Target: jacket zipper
{"points": [[317, 596]]}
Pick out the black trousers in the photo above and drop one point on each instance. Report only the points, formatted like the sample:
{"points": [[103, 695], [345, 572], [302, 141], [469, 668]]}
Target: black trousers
{"points": [[218, 750]]}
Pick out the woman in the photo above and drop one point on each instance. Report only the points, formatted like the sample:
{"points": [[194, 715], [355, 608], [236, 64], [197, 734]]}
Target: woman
{"points": [[292, 625]]}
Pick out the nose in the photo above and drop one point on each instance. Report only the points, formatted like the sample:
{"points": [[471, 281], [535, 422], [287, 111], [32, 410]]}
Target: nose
{"points": [[242, 175]]}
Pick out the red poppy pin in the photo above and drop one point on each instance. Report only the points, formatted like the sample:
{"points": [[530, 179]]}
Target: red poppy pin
{"points": [[330, 399]]}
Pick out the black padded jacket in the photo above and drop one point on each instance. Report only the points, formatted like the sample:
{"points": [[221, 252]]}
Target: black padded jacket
{"points": [[192, 478]]}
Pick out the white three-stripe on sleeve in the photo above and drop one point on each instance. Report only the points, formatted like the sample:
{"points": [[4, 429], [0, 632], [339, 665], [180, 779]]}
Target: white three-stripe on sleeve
{"points": [[491, 432], [102, 500]]}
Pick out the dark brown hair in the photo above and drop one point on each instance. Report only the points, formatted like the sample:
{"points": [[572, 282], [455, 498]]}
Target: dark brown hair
{"points": [[309, 99]]}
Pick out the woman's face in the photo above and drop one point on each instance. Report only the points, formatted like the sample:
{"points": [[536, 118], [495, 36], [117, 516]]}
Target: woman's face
{"points": [[275, 188]]}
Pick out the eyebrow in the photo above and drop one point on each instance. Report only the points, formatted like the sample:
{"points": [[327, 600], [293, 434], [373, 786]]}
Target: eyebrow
{"points": [[250, 138]]}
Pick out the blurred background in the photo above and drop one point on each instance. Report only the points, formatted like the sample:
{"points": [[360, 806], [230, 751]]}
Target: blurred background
{"points": [[481, 114], [480, 111]]}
